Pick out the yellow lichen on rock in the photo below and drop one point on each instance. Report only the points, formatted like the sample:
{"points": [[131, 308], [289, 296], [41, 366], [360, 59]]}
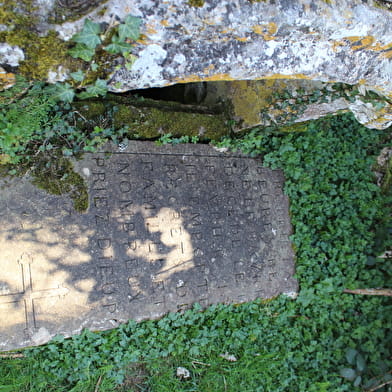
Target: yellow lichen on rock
{"points": [[364, 42], [207, 70], [267, 31], [7, 79], [295, 76], [197, 78], [242, 39]]}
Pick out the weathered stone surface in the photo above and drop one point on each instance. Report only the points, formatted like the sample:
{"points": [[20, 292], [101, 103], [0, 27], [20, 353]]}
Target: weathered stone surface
{"points": [[347, 41], [243, 40], [166, 227]]}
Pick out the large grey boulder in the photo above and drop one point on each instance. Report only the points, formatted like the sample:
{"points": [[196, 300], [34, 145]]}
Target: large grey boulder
{"points": [[347, 41]]}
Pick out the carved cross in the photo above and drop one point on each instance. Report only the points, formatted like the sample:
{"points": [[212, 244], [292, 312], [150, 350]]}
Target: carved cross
{"points": [[28, 296]]}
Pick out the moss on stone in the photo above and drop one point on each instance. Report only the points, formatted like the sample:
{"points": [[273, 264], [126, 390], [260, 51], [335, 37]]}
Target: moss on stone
{"points": [[251, 99], [90, 110], [296, 127], [383, 4], [42, 54], [150, 123], [58, 177], [196, 3]]}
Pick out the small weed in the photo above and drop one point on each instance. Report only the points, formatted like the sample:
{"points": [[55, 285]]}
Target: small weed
{"points": [[136, 378], [168, 138]]}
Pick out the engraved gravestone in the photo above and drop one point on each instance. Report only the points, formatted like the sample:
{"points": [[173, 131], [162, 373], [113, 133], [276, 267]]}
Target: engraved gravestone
{"points": [[166, 227]]}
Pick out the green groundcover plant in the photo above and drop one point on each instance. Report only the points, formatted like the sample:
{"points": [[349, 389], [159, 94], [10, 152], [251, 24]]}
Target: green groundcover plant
{"points": [[324, 340]]}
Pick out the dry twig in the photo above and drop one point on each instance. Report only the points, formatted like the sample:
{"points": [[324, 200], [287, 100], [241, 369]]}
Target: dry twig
{"points": [[384, 292], [379, 386], [199, 363], [11, 356], [98, 384]]}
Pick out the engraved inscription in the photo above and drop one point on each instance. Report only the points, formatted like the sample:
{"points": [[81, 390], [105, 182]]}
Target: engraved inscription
{"points": [[180, 225], [166, 227]]}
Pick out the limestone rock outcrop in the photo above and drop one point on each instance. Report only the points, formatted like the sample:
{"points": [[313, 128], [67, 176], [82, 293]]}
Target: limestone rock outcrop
{"points": [[347, 41]]}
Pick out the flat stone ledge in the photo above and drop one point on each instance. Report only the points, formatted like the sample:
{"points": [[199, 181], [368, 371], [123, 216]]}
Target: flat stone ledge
{"points": [[167, 227]]}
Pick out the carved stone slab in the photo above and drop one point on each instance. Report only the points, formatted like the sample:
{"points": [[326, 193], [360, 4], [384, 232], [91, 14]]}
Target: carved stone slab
{"points": [[166, 227]]}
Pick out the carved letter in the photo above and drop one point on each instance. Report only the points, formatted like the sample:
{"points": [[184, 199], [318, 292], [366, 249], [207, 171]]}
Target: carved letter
{"points": [[123, 167], [102, 220], [108, 288], [104, 243], [111, 308], [100, 202], [125, 186], [125, 205], [99, 162], [130, 226]]}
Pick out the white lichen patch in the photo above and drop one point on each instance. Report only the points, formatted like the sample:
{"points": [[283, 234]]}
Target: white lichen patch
{"points": [[271, 45], [11, 55], [58, 75], [147, 69]]}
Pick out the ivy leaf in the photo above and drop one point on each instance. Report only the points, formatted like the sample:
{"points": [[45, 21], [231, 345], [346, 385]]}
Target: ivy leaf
{"points": [[361, 364], [348, 373], [62, 92], [130, 28], [358, 381], [84, 95], [95, 90], [118, 46], [99, 88], [350, 355], [89, 35], [81, 51], [77, 76]]}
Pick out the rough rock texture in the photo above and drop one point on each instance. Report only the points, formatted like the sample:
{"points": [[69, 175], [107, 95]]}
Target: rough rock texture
{"points": [[346, 41], [330, 41]]}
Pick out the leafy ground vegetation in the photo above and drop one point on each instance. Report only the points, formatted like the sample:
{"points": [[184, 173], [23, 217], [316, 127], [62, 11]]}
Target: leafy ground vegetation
{"points": [[324, 340]]}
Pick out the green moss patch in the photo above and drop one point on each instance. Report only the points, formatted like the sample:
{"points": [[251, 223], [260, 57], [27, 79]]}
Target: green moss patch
{"points": [[196, 3], [58, 177], [149, 123], [42, 54]]}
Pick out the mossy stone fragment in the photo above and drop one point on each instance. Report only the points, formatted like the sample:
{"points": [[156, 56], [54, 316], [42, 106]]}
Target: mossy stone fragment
{"points": [[149, 123], [58, 177]]}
